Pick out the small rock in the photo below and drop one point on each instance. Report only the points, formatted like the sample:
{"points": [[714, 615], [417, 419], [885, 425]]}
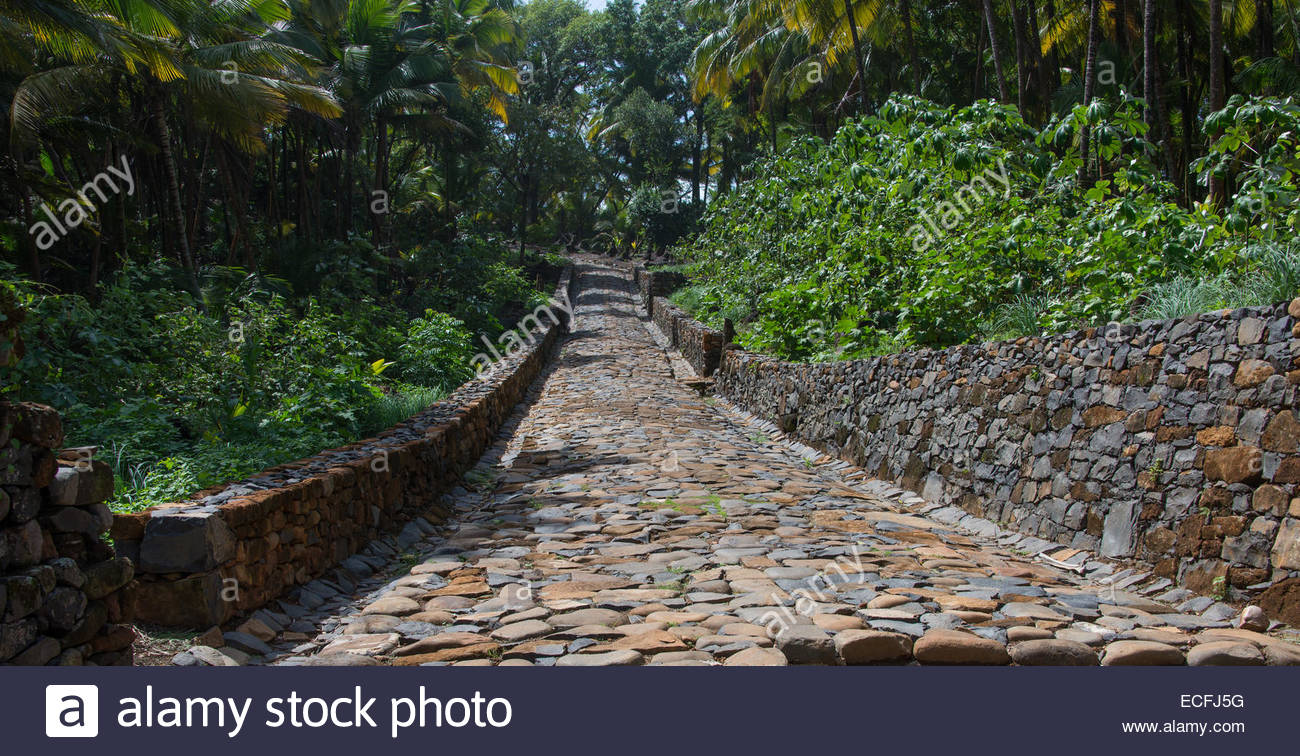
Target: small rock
{"points": [[258, 629], [1224, 654], [607, 617], [1137, 653], [212, 637], [370, 644], [757, 657], [623, 658], [518, 631], [1027, 633], [335, 659], [1253, 618], [212, 657], [956, 647], [395, 606], [1050, 652], [873, 647], [806, 644], [247, 643]]}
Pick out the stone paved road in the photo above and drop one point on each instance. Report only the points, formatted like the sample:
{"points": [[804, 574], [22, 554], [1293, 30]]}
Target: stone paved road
{"points": [[623, 519]]}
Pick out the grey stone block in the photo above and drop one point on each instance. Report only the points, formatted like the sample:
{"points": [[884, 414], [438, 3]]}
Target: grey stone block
{"points": [[186, 541]]}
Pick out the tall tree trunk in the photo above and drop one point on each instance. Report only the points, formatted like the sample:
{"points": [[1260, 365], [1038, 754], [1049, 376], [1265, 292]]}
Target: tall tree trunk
{"points": [[1186, 101], [697, 153], [1052, 61], [28, 243], [200, 196], [996, 50], [1022, 66], [1089, 82], [1218, 86], [905, 10], [1264, 45], [1035, 43], [381, 179], [236, 206], [1149, 64], [771, 116], [1157, 117], [1121, 27], [857, 54], [175, 214]]}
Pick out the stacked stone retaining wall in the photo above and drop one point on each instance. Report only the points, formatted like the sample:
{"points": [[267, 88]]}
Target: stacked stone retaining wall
{"points": [[60, 581]]}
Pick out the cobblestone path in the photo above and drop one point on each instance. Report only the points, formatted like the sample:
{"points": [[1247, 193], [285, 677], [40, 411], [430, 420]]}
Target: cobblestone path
{"points": [[623, 519]]}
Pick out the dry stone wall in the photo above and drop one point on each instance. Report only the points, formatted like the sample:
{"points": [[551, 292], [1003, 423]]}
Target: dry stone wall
{"points": [[700, 345], [656, 283], [231, 550], [1173, 442], [60, 581]]}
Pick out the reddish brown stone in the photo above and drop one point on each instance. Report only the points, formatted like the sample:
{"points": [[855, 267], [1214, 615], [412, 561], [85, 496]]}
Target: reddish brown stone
{"points": [[32, 423], [1220, 435], [1239, 464], [476, 651], [1231, 525], [1281, 601], [1204, 577], [1288, 471], [1101, 415], [1252, 373], [1166, 568], [1282, 433], [1270, 498], [1172, 432], [1215, 497], [1241, 577], [129, 526], [1159, 541]]}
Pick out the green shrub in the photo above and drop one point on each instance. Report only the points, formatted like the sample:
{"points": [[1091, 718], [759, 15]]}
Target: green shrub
{"points": [[397, 406], [1186, 295], [1276, 277], [436, 352], [1022, 316]]}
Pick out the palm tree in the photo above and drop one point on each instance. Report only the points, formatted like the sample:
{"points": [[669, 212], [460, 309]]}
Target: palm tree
{"points": [[1218, 87], [208, 58], [997, 52], [754, 53], [392, 69], [1089, 84], [837, 27]]}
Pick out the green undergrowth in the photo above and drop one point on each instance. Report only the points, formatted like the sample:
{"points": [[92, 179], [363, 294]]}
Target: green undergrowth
{"points": [[181, 394], [926, 226]]}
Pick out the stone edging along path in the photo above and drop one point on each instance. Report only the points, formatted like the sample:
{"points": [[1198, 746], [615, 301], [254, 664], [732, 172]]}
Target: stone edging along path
{"points": [[231, 550], [623, 518], [1173, 442]]}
